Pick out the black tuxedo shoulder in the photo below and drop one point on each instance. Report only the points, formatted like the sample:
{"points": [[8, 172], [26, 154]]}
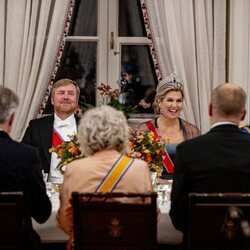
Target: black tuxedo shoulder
{"points": [[43, 119], [48, 119], [20, 151]]}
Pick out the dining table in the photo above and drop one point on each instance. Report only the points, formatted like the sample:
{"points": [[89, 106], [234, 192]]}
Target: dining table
{"points": [[49, 231]]}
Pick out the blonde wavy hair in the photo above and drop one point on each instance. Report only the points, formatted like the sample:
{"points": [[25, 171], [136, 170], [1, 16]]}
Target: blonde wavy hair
{"points": [[103, 128], [163, 90]]}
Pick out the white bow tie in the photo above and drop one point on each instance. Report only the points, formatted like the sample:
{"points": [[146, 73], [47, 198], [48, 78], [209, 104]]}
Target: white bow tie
{"points": [[61, 124]]}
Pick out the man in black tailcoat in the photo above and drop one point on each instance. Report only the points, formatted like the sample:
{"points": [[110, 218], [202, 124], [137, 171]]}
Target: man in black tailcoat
{"points": [[63, 122], [218, 161], [21, 170]]}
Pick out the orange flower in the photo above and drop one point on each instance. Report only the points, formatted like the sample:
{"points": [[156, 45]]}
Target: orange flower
{"points": [[145, 146], [67, 152], [148, 158], [130, 144]]}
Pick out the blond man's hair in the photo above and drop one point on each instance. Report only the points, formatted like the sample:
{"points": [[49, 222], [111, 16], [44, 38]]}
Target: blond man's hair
{"points": [[65, 82]]}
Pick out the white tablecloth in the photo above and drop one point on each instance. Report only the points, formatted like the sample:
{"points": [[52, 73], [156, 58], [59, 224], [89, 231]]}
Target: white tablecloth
{"points": [[50, 233]]}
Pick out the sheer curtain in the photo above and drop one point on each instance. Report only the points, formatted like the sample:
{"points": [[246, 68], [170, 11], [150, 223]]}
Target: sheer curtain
{"points": [[189, 37], [31, 33], [239, 47]]}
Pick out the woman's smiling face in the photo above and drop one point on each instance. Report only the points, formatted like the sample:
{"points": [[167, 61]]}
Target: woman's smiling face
{"points": [[172, 104]]}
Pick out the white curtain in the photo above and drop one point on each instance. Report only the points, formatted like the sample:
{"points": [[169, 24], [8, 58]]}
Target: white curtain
{"points": [[189, 37], [30, 37], [239, 47]]}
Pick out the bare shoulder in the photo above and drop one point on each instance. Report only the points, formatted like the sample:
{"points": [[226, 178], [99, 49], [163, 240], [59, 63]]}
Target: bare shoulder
{"points": [[142, 127], [188, 124], [192, 129]]}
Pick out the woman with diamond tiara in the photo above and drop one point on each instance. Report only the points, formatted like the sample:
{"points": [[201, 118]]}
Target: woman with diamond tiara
{"points": [[168, 126]]}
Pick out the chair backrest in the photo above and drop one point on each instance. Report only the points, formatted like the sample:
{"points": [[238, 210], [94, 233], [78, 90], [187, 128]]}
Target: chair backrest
{"points": [[100, 222], [219, 221], [11, 220]]}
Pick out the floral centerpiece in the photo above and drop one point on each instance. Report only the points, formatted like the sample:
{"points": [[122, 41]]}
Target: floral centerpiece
{"points": [[145, 146], [67, 152]]}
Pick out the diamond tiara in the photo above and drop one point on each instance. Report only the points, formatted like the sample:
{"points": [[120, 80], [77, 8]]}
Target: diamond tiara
{"points": [[172, 79]]}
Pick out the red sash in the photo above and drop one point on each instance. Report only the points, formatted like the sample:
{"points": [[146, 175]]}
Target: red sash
{"points": [[167, 162], [56, 138]]}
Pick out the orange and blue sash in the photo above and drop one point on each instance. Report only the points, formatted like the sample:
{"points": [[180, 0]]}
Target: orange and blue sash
{"points": [[167, 162], [115, 174]]}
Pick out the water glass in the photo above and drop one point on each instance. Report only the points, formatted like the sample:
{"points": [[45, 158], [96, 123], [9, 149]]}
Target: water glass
{"points": [[50, 188], [57, 187], [153, 176], [163, 193]]}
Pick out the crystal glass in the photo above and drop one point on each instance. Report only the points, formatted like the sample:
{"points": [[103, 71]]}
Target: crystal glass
{"points": [[163, 193], [50, 188], [153, 176]]}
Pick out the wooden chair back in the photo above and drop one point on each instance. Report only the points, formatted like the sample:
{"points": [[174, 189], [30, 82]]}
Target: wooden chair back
{"points": [[100, 222], [219, 221], [11, 220]]}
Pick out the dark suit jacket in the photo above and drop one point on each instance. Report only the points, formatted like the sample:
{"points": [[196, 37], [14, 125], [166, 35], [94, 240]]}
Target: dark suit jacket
{"points": [[39, 135], [218, 161], [20, 170]]}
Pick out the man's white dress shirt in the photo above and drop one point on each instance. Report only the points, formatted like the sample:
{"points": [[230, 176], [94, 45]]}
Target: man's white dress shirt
{"points": [[65, 128]]}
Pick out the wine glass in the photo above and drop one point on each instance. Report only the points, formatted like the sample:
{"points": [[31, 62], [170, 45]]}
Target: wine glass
{"points": [[153, 176], [163, 193]]}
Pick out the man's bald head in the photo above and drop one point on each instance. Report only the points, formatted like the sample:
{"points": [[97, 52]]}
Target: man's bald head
{"points": [[228, 102]]}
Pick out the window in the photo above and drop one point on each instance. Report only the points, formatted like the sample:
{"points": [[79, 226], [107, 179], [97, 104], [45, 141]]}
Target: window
{"points": [[107, 43]]}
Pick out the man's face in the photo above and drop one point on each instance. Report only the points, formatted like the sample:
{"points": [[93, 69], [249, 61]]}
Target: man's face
{"points": [[65, 100], [127, 77]]}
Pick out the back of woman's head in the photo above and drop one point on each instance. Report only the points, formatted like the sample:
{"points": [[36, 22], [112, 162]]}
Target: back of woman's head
{"points": [[103, 128]]}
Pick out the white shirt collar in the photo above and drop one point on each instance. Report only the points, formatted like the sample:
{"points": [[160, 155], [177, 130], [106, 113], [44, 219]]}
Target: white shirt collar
{"points": [[223, 123], [70, 121]]}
